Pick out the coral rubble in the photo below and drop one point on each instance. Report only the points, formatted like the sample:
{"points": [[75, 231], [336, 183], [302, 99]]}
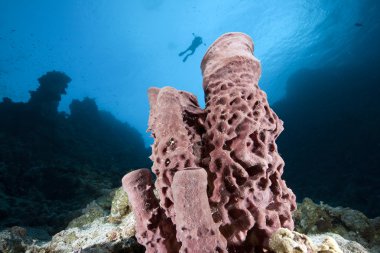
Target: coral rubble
{"points": [[353, 225], [104, 235], [286, 241]]}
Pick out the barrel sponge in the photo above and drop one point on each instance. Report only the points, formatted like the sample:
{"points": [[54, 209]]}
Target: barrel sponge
{"points": [[232, 141], [245, 185]]}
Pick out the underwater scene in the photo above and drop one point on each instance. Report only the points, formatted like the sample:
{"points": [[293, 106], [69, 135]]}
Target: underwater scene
{"points": [[190, 126]]}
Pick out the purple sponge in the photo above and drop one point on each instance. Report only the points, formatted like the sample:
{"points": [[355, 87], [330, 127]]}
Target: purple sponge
{"points": [[243, 162], [153, 229], [177, 133], [233, 140], [195, 227]]}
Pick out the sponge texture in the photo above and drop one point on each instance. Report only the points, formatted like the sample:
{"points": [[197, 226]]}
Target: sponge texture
{"points": [[242, 159], [218, 169]]}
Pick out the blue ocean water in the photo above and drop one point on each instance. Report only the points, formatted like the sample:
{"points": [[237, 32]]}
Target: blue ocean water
{"points": [[112, 50], [320, 56]]}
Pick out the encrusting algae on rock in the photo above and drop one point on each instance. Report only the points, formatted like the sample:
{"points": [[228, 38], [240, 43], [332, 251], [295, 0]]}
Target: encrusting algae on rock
{"points": [[102, 236], [120, 206], [286, 241]]}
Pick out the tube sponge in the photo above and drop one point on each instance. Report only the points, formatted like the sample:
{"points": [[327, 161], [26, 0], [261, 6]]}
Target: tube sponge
{"points": [[153, 229], [195, 227]]}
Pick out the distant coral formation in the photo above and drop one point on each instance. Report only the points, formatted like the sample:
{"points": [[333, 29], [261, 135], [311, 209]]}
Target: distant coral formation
{"points": [[53, 163], [232, 141], [46, 98]]}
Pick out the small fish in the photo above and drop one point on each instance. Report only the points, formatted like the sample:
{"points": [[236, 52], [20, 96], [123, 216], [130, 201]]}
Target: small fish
{"points": [[358, 24]]}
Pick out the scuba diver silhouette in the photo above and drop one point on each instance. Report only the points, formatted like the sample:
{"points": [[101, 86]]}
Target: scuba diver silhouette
{"points": [[197, 41]]}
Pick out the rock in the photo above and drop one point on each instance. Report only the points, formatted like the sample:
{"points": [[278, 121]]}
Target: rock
{"points": [[286, 241], [346, 246], [90, 213], [99, 235], [354, 220], [120, 206], [46, 98], [352, 225], [93, 231], [14, 240]]}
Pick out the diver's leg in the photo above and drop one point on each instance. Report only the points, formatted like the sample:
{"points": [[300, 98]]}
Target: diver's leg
{"points": [[182, 53], [192, 52]]}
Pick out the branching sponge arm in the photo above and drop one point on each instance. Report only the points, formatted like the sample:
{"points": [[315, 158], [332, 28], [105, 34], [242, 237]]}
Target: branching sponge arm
{"points": [[195, 227], [153, 229]]}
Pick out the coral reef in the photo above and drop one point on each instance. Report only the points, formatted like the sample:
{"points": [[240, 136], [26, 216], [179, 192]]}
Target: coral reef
{"points": [[93, 231], [104, 236], [353, 225], [84, 153], [233, 140], [46, 98]]}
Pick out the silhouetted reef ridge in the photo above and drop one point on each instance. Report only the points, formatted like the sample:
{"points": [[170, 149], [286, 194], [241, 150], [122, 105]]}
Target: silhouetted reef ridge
{"points": [[53, 163]]}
